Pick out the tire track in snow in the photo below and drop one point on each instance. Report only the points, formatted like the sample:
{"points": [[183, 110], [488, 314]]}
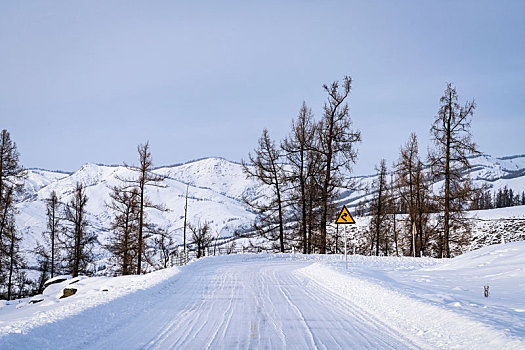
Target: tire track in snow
{"points": [[226, 319], [430, 326], [366, 321], [226, 302], [302, 319]]}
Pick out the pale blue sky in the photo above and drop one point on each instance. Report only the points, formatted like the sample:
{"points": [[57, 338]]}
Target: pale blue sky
{"points": [[86, 81]]}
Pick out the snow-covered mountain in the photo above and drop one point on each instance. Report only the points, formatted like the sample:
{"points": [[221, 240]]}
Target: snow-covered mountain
{"points": [[216, 187], [491, 172]]}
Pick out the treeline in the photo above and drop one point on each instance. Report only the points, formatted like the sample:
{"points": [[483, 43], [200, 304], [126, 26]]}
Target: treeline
{"points": [[309, 168], [501, 199], [305, 172], [67, 244], [135, 244]]}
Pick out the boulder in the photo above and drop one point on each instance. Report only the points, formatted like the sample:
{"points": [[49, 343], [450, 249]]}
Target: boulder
{"points": [[67, 292]]}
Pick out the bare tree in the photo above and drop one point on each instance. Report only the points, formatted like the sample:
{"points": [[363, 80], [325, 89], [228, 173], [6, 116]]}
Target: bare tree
{"points": [[77, 239], [164, 245], [11, 174], [448, 160], [48, 253], [146, 178], [266, 166], [14, 258], [299, 147], [379, 210], [393, 209], [201, 235], [185, 221], [123, 243], [337, 147], [53, 227], [10, 170], [414, 191]]}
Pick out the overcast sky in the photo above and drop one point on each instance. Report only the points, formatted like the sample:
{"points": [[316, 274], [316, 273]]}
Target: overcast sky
{"points": [[87, 81]]}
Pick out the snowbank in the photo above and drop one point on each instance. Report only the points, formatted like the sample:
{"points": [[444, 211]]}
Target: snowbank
{"points": [[19, 316]]}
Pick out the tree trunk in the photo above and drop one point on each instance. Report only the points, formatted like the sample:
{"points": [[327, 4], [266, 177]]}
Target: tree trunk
{"points": [[11, 265], [446, 228], [141, 223]]}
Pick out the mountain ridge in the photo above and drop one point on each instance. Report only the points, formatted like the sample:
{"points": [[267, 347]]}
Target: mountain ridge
{"points": [[216, 186]]}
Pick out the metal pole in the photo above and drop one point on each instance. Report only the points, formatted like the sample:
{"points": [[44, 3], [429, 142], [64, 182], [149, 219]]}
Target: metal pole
{"points": [[414, 238], [346, 256], [185, 218]]}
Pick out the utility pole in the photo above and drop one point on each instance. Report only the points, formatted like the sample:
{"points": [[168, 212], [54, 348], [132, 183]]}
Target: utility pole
{"points": [[185, 220], [414, 238], [346, 255]]}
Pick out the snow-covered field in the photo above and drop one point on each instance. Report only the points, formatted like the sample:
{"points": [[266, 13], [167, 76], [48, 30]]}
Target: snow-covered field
{"points": [[287, 301]]}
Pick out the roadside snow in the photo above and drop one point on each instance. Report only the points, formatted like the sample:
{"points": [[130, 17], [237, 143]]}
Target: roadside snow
{"points": [[20, 316], [287, 301]]}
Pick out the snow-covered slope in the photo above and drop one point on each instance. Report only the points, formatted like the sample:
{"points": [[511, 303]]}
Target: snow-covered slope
{"points": [[216, 189], [491, 172]]}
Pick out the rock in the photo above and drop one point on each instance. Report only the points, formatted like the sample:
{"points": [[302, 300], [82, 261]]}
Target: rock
{"points": [[67, 292], [35, 300]]}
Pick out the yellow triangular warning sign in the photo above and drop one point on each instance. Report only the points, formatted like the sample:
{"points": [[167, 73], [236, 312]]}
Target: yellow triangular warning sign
{"points": [[344, 217]]}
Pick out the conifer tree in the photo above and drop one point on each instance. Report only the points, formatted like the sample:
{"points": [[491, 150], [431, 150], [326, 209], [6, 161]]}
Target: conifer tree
{"points": [[53, 229], [123, 243], [379, 210], [77, 239], [11, 175], [337, 147], [415, 194], [146, 178], [266, 166], [300, 147], [448, 160]]}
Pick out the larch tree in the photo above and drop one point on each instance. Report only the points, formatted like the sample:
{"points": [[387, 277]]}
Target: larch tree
{"points": [[337, 146], [165, 246], [77, 239], [146, 179], [267, 167], [414, 192], [379, 210], [11, 175], [48, 253], [185, 223], [53, 229], [393, 209], [201, 236], [298, 148], [452, 138], [12, 240], [123, 243], [11, 172]]}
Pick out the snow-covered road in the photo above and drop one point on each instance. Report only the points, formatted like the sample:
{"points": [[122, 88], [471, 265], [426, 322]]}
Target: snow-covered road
{"points": [[222, 303], [258, 302]]}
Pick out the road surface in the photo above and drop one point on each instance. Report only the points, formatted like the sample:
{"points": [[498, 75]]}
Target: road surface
{"points": [[223, 303]]}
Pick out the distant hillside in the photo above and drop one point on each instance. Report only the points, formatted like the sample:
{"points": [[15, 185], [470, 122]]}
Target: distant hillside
{"points": [[216, 187], [494, 173]]}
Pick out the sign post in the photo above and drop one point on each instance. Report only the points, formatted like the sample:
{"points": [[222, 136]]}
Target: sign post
{"points": [[344, 218]]}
